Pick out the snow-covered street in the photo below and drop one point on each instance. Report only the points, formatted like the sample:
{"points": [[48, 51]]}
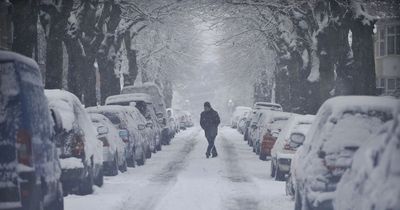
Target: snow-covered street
{"points": [[180, 177]]}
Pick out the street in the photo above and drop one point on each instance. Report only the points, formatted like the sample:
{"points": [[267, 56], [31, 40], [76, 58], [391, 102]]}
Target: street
{"points": [[180, 177]]}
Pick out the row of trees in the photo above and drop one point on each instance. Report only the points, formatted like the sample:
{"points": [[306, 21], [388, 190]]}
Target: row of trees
{"points": [[320, 48], [74, 39]]}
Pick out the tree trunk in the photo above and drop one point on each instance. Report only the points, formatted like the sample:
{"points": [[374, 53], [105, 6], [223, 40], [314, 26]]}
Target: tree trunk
{"points": [[24, 18], [364, 62], [129, 79], [54, 23]]}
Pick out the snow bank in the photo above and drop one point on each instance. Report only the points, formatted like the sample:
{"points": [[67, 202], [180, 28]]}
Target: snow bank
{"points": [[71, 163]]}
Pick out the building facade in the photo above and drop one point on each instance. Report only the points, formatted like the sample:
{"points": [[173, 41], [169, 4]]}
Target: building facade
{"points": [[387, 56]]}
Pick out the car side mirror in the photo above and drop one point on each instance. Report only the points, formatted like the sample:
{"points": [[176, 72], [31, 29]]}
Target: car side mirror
{"points": [[254, 126], [275, 134], [149, 125]]}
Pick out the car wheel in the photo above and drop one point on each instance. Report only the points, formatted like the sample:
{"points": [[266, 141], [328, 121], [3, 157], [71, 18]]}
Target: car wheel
{"points": [[262, 156], [114, 167], [100, 178], [272, 169], [124, 166], [159, 147], [131, 161], [58, 203], [86, 184], [148, 153], [280, 175], [142, 161], [297, 200]]}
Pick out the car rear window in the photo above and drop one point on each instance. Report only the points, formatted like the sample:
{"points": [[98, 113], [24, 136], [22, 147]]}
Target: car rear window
{"points": [[113, 117], [351, 130]]}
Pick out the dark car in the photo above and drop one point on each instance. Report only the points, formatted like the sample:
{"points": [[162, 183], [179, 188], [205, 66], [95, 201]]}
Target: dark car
{"points": [[80, 152], [29, 166]]}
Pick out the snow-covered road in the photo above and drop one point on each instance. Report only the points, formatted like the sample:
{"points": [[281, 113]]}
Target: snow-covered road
{"points": [[180, 178]]}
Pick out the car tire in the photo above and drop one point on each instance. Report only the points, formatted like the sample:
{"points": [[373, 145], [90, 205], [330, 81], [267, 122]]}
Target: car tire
{"points": [[141, 161], [131, 161], [85, 186], [279, 175], [114, 167], [297, 200], [124, 166], [148, 153], [273, 169], [99, 181], [159, 147], [262, 156], [58, 203]]}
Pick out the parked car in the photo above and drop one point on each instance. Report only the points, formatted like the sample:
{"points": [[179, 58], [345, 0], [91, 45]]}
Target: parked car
{"points": [[174, 122], [184, 119], [159, 105], [373, 180], [267, 106], [281, 153], [114, 149], [80, 152], [242, 123], [239, 111], [342, 125], [271, 124], [249, 121], [144, 105], [129, 131], [29, 165], [297, 135]]}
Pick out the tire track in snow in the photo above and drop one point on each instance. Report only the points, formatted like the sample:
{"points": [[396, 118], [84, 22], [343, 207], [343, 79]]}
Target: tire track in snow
{"points": [[244, 191], [161, 182]]}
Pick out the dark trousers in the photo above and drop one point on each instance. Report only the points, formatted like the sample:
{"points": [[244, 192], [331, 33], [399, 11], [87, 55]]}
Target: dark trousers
{"points": [[211, 146]]}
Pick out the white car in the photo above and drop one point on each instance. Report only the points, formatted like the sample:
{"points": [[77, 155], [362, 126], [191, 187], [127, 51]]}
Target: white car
{"points": [[80, 152], [237, 114], [114, 149], [296, 139], [343, 124], [281, 153], [373, 180]]}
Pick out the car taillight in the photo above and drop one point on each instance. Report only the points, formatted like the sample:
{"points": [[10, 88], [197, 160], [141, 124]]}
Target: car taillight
{"points": [[24, 145], [79, 147]]}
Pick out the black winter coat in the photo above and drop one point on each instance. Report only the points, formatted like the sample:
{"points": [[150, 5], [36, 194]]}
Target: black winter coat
{"points": [[209, 121]]}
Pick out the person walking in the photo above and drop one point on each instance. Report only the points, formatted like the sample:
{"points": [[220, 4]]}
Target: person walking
{"points": [[209, 121]]}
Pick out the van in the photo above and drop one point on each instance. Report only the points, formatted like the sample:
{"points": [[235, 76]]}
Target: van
{"points": [[29, 166]]}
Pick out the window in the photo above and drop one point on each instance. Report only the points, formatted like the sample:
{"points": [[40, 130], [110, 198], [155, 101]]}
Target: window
{"points": [[389, 41], [398, 83], [398, 40], [391, 84], [391, 36], [382, 47], [383, 83]]}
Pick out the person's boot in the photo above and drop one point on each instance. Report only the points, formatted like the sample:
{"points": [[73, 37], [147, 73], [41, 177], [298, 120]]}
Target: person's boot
{"points": [[214, 155], [207, 155]]}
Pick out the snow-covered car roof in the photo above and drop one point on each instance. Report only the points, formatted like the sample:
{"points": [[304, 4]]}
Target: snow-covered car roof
{"points": [[150, 88], [126, 98], [260, 105], [362, 104], [7, 56]]}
